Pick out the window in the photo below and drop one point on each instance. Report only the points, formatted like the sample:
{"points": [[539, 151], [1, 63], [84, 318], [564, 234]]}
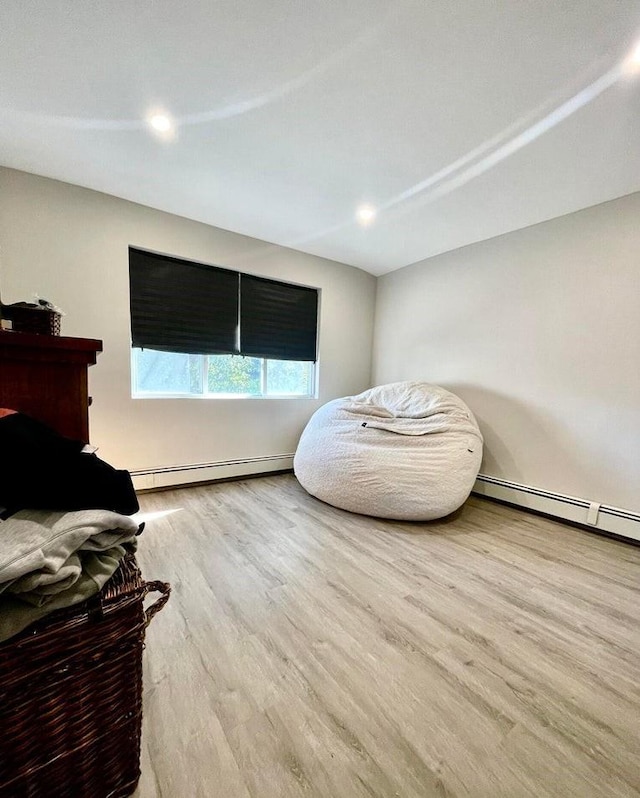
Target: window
{"points": [[200, 330], [171, 374]]}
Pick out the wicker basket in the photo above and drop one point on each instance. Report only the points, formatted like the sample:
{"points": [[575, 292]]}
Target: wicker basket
{"points": [[28, 318], [71, 696]]}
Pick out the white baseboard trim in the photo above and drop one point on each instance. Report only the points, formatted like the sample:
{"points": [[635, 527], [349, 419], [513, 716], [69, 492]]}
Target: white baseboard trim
{"points": [[174, 476], [569, 508]]}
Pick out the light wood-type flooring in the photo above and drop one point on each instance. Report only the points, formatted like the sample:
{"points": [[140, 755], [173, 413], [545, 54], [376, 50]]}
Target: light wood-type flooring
{"points": [[309, 652]]}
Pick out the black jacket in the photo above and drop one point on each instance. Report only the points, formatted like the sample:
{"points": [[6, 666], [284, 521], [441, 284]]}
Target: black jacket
{"points": [[40, 469]]}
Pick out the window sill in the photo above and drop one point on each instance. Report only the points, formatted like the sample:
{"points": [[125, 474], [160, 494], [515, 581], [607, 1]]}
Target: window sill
{"points": [[218, 396]]}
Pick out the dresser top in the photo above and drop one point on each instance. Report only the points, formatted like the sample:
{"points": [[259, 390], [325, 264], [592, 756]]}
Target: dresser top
{"points": [[48, 348]]}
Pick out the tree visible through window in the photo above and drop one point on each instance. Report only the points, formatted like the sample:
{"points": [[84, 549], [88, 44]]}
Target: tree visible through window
{"points": [[234, 374]]}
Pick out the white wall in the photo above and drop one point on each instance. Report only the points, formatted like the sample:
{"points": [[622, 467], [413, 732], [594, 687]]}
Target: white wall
{"points": [[70, 245], [539, 332]]}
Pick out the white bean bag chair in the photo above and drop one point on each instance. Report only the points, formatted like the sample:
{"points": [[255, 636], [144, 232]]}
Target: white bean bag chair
{"points": [[408, 450]]}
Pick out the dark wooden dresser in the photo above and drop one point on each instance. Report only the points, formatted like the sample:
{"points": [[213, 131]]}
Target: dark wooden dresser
{"points": [[45, 376]]}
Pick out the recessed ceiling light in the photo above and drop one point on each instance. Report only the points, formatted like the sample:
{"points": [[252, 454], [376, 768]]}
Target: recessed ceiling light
{"points": [[631, 65], [365, 214], [160, 122]]}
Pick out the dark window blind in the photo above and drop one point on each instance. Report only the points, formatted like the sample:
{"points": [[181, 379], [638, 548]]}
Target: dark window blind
{"points": [[277, 320], [179, 306]]}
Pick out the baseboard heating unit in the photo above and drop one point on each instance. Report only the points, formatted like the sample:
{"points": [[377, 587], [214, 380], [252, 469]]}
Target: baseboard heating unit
{"points": [[174, 476], [569, 508]]}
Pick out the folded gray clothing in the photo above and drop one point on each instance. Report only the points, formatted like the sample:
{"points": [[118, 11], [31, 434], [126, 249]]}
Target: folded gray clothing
{"points": [[50, 560], [17, 614]]}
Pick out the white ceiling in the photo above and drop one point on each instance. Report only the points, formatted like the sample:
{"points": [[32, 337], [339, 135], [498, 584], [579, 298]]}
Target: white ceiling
{"points": [[459, 119]]}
